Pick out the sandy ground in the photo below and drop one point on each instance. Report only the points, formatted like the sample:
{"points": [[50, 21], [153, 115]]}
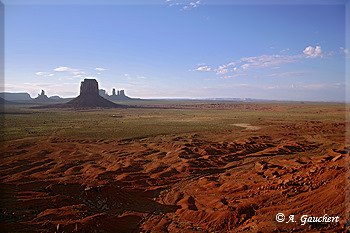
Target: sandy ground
{"points": [[206, 182], [247, 126]]}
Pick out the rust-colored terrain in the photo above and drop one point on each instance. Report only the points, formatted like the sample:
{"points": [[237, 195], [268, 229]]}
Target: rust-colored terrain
{"points": [[227, 180]]}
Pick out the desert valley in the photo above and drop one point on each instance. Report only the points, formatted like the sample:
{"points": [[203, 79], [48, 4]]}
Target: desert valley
{"points": [[173, 166], [178, 116]]}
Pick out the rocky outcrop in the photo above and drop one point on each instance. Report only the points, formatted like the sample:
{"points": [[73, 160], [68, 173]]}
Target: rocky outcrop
{"points": [[120, 96], [89, 87], [103, 93], [89, 98], [43, 98]]}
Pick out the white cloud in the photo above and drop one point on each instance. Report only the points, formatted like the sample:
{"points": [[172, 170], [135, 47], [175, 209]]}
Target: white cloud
{"points": [[311, 52], [321, 86], [100, 69], [223, 69], [275, 60], [309, 87], [44, 74], [231, 64], [191, 5], [128, 76], [343, 50], [78, 72], [245, 66], [271, 87], [233, 76], [64, 68], [41, 73], [141, 77], [286, 74], [134, 77], [184, 4], [203, 68], [267, 60], [195, 4]]}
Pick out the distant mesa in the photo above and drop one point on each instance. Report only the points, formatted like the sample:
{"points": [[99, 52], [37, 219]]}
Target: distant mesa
{"points": [[24, 98], [15, 96], [89, 98], [43, 98], [116, 96], [3, 101], [55, 97]]}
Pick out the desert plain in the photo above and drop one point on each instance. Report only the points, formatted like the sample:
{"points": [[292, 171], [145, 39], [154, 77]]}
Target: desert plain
{"points": [[175, 166]]}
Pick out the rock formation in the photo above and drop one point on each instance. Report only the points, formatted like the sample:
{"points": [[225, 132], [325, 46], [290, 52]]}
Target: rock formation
{"points": [[119, 96], [15, 96], [89, 98], [42, 97], [103, 93], [89, 87]]}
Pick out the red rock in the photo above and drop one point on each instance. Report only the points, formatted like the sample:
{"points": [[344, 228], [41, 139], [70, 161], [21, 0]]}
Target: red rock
{"points": [[336, 158]]}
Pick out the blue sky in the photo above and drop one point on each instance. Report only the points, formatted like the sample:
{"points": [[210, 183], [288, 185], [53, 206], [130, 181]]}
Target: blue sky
{"points": [[178, 49]]}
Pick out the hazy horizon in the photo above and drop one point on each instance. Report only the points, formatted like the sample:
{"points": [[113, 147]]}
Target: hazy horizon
{"points": [[178, 49]]}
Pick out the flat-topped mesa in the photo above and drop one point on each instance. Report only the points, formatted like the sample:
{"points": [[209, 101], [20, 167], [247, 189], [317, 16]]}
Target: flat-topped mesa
{"points": [[89, 87], [89, 98]]}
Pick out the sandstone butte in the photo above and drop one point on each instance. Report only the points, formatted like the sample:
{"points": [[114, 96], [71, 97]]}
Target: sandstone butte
{"points": [[89, 98]]}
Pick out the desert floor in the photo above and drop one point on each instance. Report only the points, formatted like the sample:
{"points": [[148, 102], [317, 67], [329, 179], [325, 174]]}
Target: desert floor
{"points": [[174, 166]]}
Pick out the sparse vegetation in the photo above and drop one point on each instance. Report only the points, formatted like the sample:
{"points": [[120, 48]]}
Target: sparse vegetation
{"points": [[185, 117], [173, 166]]}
